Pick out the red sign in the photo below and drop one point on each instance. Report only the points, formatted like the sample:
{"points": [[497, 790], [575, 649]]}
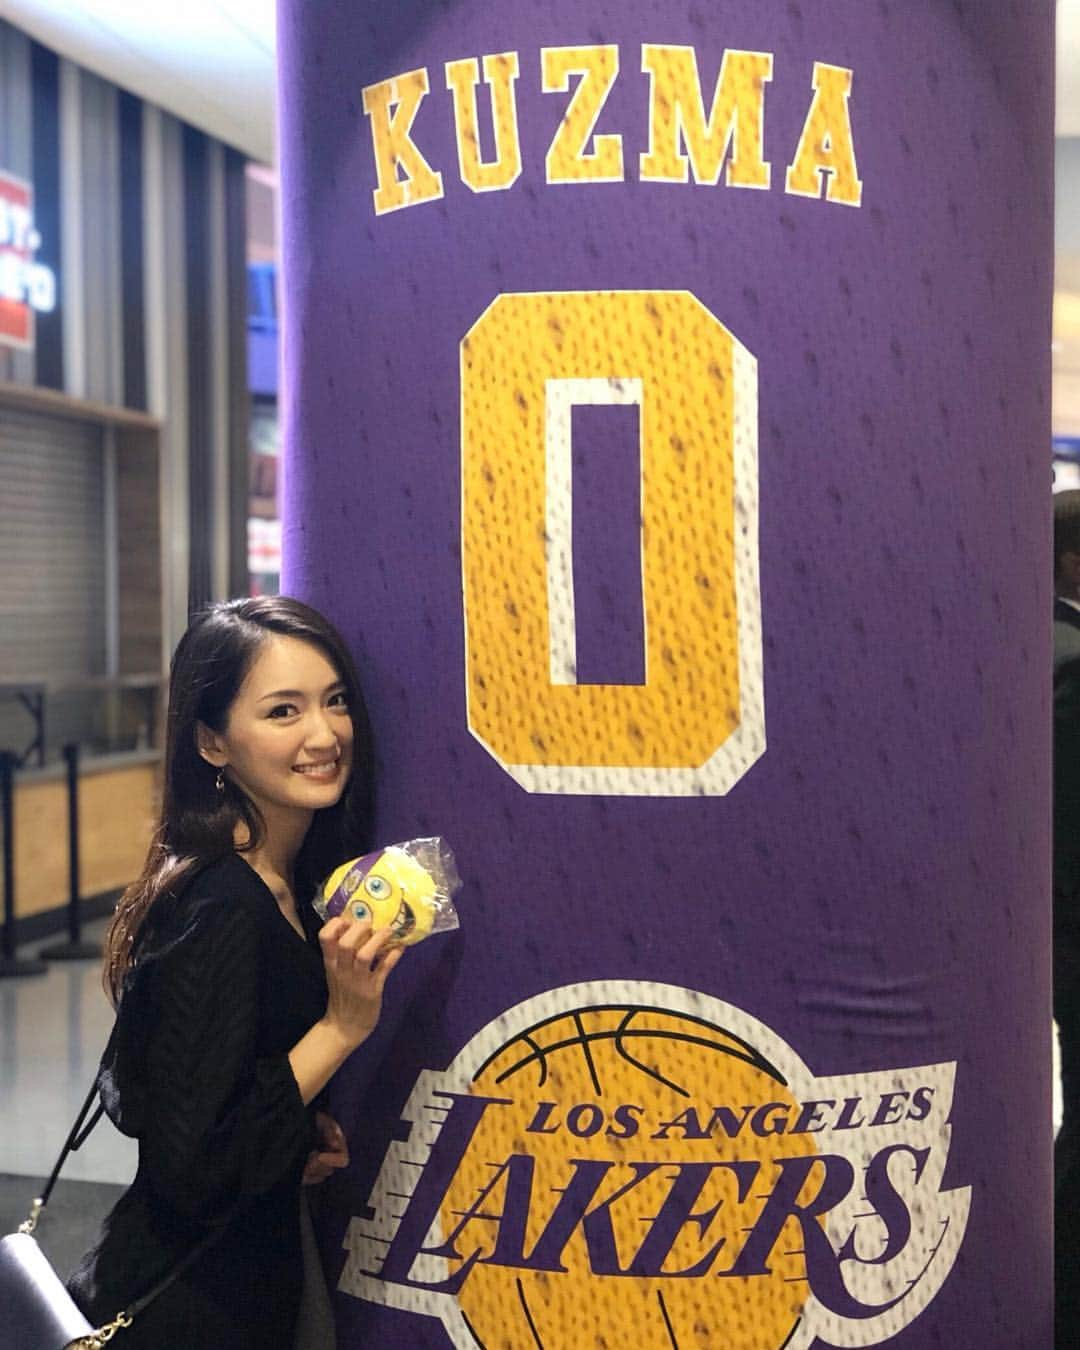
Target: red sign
{"points": [[25, 285]]}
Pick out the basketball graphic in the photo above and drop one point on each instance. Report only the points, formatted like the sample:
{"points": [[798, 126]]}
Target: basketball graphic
{"points": [[612, 1070], [627, 1156]]}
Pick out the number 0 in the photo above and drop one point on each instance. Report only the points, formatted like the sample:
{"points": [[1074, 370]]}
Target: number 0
{"points": [[696, 724]]}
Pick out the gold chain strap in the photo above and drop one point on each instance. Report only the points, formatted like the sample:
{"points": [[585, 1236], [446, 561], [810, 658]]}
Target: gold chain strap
{"points": [[30, 1222], [103, 1335]]}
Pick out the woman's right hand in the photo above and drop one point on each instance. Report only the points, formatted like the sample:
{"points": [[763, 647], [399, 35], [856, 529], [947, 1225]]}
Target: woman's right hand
{"points": [[358, 962]]}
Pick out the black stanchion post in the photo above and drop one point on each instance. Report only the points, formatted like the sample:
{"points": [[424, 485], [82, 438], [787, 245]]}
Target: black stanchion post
{"points": [[74, 949], [10, 964]]}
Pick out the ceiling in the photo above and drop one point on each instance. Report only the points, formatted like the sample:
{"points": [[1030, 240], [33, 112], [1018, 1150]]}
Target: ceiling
{"points": [[212, 61]]}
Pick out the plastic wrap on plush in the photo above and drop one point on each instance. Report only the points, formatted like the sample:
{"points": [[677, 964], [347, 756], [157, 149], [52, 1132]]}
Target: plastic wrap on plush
{"points": [[408, 886]]}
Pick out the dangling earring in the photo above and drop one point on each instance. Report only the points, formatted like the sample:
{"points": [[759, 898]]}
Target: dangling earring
{"points": [[219, 781]]}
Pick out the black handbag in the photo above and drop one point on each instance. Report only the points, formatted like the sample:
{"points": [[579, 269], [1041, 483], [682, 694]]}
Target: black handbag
{"points": [[38, 1313]]}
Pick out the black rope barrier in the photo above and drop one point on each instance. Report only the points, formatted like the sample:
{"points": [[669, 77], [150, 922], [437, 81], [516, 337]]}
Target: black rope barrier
{"points": [[74, 949]]}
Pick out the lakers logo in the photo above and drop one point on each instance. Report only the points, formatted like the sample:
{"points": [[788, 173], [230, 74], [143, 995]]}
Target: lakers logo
{"points": [[616, 1163]]}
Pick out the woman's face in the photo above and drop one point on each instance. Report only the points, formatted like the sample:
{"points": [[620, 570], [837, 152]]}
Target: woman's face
{"points": [[288, 741]]}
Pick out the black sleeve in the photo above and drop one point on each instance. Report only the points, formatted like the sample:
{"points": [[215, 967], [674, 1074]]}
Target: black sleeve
{"points": [[220, 1123]]}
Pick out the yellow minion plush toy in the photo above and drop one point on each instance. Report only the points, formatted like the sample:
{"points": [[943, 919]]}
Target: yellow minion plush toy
{"points": [[395, 888]]}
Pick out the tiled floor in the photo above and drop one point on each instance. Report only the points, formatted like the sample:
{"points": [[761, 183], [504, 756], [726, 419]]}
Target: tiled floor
{"points": [[53, 1028]]}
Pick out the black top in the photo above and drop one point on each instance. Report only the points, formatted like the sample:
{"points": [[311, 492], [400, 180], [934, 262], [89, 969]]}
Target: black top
{"points": [[198, 1072]]}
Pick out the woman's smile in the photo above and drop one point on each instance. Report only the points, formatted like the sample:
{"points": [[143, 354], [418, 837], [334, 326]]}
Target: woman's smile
{"points": [[326, 768]]}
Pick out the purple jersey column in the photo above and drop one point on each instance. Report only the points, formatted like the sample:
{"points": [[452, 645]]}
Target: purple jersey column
{"points": [[667, 411]]}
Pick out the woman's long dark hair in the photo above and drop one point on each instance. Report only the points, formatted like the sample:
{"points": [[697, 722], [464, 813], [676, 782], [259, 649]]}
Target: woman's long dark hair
{"points": [[197, 822]]}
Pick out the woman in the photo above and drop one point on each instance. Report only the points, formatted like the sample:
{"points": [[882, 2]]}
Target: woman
{"points": [[234, 1008]]}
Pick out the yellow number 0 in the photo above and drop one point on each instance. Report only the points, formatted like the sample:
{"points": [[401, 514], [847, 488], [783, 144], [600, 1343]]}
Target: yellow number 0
{"points": [[696, 725]]}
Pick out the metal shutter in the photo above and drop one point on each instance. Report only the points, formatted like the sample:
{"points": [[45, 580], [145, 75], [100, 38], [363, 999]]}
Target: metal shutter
{"points": [[52, 547]]}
